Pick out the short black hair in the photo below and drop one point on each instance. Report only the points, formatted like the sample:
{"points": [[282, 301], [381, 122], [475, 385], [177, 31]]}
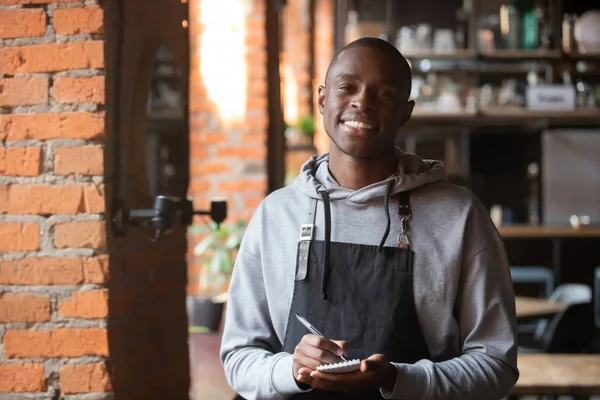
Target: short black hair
{"points": [[404, 71]]}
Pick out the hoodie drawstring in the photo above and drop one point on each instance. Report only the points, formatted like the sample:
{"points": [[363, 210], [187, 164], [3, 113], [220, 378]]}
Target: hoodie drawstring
{"points": [[387, 216], [327, 242], [326, 247]]}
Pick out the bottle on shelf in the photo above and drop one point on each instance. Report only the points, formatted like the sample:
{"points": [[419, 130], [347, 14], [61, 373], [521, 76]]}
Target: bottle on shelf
{"points": [[533, 211]]}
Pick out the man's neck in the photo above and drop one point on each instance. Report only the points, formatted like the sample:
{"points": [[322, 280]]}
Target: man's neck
{"points": [[355, 173]]}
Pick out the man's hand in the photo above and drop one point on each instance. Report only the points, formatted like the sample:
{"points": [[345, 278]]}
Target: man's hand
{"points": [[376, 372], [313, 351]]}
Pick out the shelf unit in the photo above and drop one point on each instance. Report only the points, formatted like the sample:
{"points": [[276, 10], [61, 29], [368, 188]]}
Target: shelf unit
{"points": [[458, 133]]}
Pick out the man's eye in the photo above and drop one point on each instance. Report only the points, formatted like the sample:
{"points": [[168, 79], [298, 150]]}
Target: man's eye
{"points": [[345, 87], [385, 93]]}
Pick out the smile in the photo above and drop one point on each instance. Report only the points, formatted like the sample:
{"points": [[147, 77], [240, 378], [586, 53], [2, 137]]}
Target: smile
{"points": [[360, 125]]}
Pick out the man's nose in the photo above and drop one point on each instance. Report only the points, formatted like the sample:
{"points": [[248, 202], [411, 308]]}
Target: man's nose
{"points": [[364, 100]]}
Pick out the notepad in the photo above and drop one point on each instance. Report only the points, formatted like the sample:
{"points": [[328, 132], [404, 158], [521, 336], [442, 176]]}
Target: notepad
{"points": [[341, 367]]}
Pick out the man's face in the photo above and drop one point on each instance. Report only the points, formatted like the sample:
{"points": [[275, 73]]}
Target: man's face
{"points": [[363, 103]]}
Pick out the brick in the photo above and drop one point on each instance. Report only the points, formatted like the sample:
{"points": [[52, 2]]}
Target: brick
{"points": [[84, 160], [257, 103], [79, 89], [40, 271], [84, 378], [244, 186], [257, 88], [68, 125], [89, 304], [256, 40], [23, 91], [20, 161], [77, 20], [24, 307], [199, 186], [256, 72], [18, 378], [61, 342], [52, 57], [257, 57], [242, 152], [51, 199], [252, 201], [22, 23], [19, 237], [258, 122], [96, 269], [202, 138], [80, 234], [255, 137], [198, 152], [209, 168]]}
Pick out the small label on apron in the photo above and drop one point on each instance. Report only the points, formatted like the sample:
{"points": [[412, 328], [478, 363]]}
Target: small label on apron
{"points": [[306, 234]]}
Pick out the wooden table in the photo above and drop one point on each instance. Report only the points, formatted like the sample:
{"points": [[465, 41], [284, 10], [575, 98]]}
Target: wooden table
{"points": [[545, 374], [547, 231], [532, 308]]}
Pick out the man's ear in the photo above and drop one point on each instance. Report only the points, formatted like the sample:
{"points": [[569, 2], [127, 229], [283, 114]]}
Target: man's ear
{"points": [[321, 98], [408, 110]]}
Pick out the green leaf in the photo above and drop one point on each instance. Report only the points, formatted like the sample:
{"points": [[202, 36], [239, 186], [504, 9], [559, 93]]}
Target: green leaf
{"points": [[219, 258], [204, 245], [233, 241]]}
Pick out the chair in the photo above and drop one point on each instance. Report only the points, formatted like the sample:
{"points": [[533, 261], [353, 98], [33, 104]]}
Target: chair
{"points": [[571, 331], [532, 275], [567, 293], [535, 275]]}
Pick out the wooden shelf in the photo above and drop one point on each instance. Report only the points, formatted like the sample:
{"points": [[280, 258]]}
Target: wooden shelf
{"points": [[454, 55], [506, 116], [583, 56], [514, 112], [522, 54], [500, 55]]}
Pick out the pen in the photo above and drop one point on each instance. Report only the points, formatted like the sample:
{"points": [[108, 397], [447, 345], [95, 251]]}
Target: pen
{"points": [[312, 329]]}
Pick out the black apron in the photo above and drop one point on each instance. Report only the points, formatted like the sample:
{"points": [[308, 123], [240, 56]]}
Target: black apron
{"points": [[359, 293]]}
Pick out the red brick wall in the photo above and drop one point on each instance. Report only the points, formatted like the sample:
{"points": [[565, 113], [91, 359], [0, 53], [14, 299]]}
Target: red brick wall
{"points": [[80, 310], [297, 54], [228, 158], [324, 26], [53, 263]]}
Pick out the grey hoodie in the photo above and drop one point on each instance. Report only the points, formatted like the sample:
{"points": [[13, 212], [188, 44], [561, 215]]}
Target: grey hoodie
{"points": [[463, 290]]}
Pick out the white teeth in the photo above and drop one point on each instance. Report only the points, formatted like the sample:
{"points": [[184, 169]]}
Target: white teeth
{"points": [[356, 124]]}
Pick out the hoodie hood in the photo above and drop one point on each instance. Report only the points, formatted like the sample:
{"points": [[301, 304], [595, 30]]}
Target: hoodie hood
{"points": [[412, 173], [316, 181]]}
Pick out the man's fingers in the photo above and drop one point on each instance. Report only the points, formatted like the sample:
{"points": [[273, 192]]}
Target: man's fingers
{"points": [[304, 375], [321, 356], [320, 342], [342, 344], [374, 363]]}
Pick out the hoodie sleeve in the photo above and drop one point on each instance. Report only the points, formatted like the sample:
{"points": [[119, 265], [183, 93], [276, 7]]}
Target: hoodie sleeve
{"points": [[255, 366], [485, 312]]}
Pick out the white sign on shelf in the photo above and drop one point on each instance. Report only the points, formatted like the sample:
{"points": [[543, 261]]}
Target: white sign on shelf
{"points": [[551, 97]]}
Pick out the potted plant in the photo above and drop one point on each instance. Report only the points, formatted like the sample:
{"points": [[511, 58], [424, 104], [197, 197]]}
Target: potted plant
{"points": [[306, 125], [217, 251], [301, 133]]}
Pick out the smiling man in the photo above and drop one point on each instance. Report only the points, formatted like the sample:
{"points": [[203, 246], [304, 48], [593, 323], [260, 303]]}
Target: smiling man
{"points": [[392, 264]]}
